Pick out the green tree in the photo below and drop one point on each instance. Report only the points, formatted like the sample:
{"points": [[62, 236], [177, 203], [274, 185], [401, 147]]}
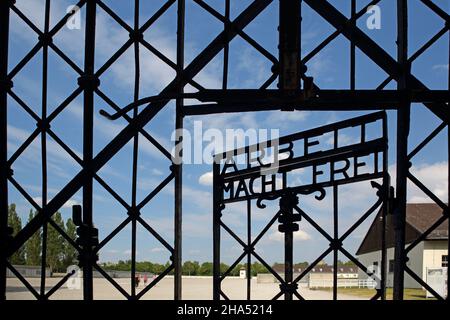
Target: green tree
{"points": [[33, 246], [237, 270], [258, 268], [55, 244], [166, 266], [70, 253], [206, 269], [302, 265], [347, 263], [223, 268], [15, 223], [191, 268]]}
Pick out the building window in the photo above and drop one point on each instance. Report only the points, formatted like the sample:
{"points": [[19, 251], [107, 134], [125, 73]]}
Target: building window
{"points": [[375, 267], [445, 261], [391, 265]]}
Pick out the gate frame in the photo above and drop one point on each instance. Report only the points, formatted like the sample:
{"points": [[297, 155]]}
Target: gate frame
{"points": [[230, 101], [290, 210]]}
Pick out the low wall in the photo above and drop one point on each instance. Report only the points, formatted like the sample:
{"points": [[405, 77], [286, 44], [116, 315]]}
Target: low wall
{"points": [[28, 271], [265, 278]]}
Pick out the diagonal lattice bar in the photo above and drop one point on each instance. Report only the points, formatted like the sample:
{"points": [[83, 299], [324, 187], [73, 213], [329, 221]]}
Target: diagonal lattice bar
{"points": [[112, 281], [40, 44], [23, 280], [336, 33], [426, 233], [427, 140], [141, 120], [427, 191], [154, 282], [423, 283], [436, 9], [370, 48]]}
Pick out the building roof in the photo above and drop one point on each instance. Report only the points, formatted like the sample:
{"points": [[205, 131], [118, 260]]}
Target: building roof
{"points": [[330, 269], [419, 218]]}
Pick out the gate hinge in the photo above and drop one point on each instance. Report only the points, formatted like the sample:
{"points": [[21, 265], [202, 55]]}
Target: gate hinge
{"points": [[5, 241], [87, 238]]}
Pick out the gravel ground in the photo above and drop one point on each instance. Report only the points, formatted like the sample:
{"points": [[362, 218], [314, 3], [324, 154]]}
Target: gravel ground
{"points": [[194, 288]]}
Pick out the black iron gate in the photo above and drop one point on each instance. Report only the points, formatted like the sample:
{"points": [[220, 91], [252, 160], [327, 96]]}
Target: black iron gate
{"points": [[297, 91], [255, 179]]}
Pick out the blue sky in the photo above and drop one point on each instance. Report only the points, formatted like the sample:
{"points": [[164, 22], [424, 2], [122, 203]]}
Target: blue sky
{"points": [[248, 69]]}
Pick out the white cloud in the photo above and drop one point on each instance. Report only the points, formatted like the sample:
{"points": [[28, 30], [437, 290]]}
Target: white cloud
{"points": [[68, 204], [19, 135], [280, 118], [254, 66], [194, 226], [206, 179], [434, 177], [157, 249], [440, 67], [128, 252], [110, 129], [157, 172], [298, 236], [319, 67]]}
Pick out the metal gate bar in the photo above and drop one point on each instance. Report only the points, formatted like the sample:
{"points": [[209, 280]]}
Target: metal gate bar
{"points": [[410, 90], [4, 171], [403, 120], [178, 169]]}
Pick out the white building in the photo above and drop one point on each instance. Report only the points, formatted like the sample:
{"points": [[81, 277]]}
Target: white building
{"points": [[322, 276], [430, 253]]}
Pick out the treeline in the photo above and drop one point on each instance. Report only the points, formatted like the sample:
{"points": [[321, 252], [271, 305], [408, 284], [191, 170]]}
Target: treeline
{"points": [[190, 268], [194, 268], [59, 254]]}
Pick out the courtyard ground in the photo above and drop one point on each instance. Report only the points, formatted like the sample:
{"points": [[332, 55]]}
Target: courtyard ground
{"points": [[409, 294], [194, 288]]}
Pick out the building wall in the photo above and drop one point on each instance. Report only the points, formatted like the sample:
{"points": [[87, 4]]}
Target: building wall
{"points": [[28, 271], [321, 277], [415, 263], [432, 255]]}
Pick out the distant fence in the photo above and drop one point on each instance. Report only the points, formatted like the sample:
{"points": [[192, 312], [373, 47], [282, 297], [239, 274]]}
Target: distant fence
{"points": [[35, 272], [342, 283], [28, 271], [121, 274], [269, 278]]}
